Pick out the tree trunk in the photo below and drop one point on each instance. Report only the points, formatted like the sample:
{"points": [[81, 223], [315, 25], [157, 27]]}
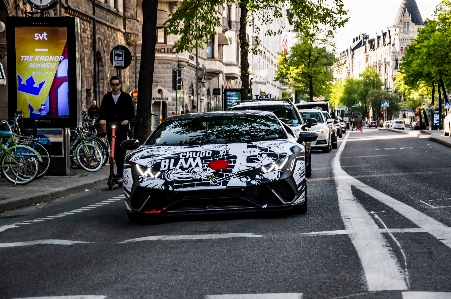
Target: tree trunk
{"points": [[244, 48], [310, 89], [145, 81], [433, 105]]}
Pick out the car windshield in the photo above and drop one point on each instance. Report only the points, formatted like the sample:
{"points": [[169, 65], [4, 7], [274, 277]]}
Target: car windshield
{"points": [[326, 115], [285, 113], [217, 130], [316, 115]]}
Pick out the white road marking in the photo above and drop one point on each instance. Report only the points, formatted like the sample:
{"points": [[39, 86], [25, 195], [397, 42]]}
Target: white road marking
{"points": [[426, 295], [382, 270], [257, 296], [60, 215], [66, 297], [41, 242], [381, 231], [390, 148], [193, 237]]}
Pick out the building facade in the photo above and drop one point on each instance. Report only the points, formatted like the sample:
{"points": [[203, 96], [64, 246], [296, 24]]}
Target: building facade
{"points": [[385, 50], [116, 24]]}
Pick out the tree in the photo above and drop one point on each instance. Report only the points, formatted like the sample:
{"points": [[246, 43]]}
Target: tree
{"points": [[307, 67], [336, 94], [307, 15], [149, 39], [351, 93], [370, 80]]}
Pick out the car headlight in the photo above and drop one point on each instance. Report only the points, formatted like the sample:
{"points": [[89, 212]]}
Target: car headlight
{"points": [[322, 131], [276, 165], [148, 172]]}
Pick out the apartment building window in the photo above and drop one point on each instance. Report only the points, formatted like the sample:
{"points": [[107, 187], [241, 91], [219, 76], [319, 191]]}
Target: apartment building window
{"points": [[116, 4], [210, 47], [406, 26], [161, 35], [229, 17]]}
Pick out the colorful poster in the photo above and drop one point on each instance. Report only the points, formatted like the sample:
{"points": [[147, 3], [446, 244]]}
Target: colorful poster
{"points": [[42, 72]]}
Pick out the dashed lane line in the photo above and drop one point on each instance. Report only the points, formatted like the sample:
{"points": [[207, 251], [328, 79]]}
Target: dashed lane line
{"points": [[41, 242], [257, 296], [65, 297], [64, 214], [193, 237]]}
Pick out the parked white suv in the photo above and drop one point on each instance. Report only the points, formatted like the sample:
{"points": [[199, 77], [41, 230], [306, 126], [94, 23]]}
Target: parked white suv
{"points": [[324, 140]]}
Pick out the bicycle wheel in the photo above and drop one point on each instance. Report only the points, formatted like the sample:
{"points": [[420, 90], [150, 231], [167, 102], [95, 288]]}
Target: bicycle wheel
{"points": [[46, 158], [89, 156], [103, 147], [19, 168]]}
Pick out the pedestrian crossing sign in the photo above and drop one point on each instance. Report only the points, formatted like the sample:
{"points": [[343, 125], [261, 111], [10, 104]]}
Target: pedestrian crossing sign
{"points": [[447, 105], [385, 104]]}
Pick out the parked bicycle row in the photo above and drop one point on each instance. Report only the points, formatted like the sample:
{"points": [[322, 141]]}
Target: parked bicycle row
{"points": [[23, 158]]}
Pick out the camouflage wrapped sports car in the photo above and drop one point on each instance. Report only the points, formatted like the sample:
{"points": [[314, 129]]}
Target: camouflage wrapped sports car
{"points": [[216, 162]]}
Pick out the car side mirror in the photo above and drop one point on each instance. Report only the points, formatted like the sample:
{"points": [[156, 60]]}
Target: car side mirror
{"points": [[130, 144], [311, 122], [308, 136], [329, 121]]}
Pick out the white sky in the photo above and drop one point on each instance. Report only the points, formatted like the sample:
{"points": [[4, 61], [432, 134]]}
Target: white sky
{"points": [[373, 16]]}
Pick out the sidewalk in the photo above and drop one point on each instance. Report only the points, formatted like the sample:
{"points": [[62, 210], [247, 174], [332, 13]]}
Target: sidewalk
{"points": [[50, 187]]}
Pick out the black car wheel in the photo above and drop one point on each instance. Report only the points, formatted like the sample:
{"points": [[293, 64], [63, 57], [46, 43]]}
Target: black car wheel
{"points": [[328, 148]]}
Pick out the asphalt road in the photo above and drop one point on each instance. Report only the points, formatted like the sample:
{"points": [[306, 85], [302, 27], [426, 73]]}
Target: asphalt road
{"points": [[378, 226]]}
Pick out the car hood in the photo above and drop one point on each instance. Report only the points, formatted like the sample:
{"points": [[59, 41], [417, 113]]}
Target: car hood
{"points": [[214, 165], [319, 127]]}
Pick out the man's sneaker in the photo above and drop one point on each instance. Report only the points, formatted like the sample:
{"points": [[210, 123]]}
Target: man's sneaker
{"points": [[120, 179]]}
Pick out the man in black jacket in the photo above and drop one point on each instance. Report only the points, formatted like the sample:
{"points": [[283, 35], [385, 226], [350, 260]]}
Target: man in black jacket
{"points": [[117, 107]]}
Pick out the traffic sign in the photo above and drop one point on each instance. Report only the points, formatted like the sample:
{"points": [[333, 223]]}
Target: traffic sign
{"points": [[120, 57], [385, 104], [447, 105]]}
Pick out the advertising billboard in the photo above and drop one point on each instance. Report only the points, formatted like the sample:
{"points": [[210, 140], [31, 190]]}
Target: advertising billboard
{"points": [[231, 97], [42, 70]]}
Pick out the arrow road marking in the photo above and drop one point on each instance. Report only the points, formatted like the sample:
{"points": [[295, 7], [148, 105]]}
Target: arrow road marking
{"points": [[382, 270], [193, 237]]}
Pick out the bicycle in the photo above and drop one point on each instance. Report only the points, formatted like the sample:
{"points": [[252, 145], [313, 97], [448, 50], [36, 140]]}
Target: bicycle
{"points": [[19, 163], [16, 129], [85, 154]]}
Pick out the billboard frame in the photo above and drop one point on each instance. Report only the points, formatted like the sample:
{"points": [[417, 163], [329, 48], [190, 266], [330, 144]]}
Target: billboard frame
{"points": [[71, 43]]}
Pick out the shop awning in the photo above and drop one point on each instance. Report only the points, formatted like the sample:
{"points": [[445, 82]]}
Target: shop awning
{"points": [[222, 39]]}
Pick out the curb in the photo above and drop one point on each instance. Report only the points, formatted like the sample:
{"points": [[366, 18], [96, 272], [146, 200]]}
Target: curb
{"points": [[424, 135], [20, 202]]}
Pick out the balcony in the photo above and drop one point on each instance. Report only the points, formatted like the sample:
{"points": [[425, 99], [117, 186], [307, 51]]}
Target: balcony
{"points": [[232, 72], [213, 68]]}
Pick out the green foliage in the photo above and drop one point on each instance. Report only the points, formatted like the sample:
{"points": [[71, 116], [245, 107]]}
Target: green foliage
{"points": [[336, 94], [427, 58], [287, 94], [307, 67]]}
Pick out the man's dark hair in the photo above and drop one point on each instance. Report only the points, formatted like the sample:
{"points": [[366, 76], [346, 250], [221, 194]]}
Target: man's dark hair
{"points": [[115, 78], [194, 107]]}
